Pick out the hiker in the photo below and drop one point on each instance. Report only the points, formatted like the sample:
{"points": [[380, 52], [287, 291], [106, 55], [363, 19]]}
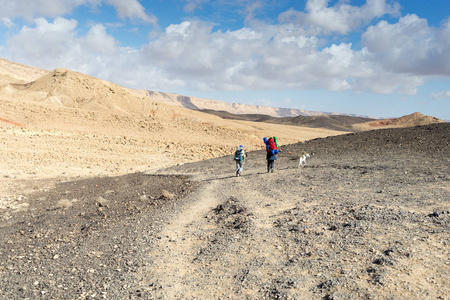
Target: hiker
{"points": [[239, 157], [272, 151]]}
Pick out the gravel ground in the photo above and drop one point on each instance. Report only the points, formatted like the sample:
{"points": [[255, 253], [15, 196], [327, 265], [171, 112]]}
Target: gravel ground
{"points": [[85, 239], [367, 218]]}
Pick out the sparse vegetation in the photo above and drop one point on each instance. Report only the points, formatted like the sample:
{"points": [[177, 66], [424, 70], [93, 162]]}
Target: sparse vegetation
{"points": [[64, 203]]}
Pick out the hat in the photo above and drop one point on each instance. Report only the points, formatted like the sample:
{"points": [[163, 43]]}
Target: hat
{"points": [[241, 147]]}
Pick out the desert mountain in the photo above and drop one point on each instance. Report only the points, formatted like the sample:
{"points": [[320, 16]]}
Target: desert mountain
{"points": [[76, 90], [62, 119], [15, 73], [102, 128], [233, 108], [333, 122]]}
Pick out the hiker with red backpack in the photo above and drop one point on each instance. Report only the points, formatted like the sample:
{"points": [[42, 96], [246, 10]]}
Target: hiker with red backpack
{"points": [[272, 151]]}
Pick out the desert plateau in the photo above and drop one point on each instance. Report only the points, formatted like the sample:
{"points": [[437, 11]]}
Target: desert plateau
{"points": [[108, 193]]}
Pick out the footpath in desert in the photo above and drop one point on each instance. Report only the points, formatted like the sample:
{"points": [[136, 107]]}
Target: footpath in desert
{"points": [[108, 194]]}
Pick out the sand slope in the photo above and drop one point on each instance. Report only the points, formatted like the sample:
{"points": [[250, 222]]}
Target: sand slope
{"points": [[12, 72], [66, 123]]}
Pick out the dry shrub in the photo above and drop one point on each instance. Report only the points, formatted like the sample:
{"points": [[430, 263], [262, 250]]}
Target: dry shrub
{"points": [[64, 203], [167, 195], [102, 202]]}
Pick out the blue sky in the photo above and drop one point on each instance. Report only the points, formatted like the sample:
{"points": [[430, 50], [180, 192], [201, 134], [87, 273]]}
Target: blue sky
{"points": [[379, 58]]}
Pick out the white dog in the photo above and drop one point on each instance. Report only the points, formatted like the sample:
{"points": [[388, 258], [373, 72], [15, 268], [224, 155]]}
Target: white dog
{"points": [[302, 160]]}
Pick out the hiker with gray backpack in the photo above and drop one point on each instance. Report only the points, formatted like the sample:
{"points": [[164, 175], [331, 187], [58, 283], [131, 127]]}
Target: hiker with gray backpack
{"points": [[239, 157]]}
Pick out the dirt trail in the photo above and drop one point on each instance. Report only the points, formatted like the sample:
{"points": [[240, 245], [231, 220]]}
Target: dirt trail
{"points": [[171, 258], [171, 266], [226, 235]]}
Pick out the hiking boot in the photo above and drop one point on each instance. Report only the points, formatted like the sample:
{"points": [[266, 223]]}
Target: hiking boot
{"points": [[271, 170]]}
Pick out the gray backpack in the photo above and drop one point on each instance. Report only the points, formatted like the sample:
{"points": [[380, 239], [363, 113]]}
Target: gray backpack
{"points": [[238, 155]]}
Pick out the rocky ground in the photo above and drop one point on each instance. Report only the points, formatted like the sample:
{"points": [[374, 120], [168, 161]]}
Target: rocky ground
{"points": [[367, 218]]}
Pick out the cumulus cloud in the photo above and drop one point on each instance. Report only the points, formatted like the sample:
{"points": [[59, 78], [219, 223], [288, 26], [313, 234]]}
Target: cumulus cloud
{"points": [[192, 5], [55, 44], [409, 46], [28, 10], [98, 41], [247, 58], [132, 9], [396, 57], [6, 22], [440, 95], [46, 8], [320, 18], [45, 41]]}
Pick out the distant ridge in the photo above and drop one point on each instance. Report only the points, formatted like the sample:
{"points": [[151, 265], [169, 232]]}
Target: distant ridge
{"points": [[416, 119], [65, 103], [202, 104], [72, 89], [333, 122]]}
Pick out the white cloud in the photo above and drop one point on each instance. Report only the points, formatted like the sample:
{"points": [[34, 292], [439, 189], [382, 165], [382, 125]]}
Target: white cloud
{"points": [[6, 22], [132, 9], [56, 44], [45, 41], [395, 57], [52, 45], [192, 5], [409, 47], [444, 33], [28, 10], [247, 58], [398, 57], [320, 18], [381, 81], [98, 41], [191, 51], [440, 95]]}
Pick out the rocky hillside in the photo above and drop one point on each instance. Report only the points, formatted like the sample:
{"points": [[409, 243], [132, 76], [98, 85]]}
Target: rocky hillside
{"points": [[414, 119], [333, 122]]}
